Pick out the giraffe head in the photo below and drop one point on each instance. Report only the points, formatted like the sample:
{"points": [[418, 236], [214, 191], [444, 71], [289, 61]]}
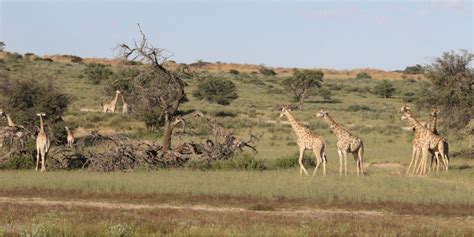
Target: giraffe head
{"points": [[283, 111], [118, 92], [322, 113], [3, 114], [406, 115], [41, 114], [434, 112], [67, 129], [404, 109]]}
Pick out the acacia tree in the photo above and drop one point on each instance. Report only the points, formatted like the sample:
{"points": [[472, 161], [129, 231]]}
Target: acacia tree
{"points": [[451, 88], [155, 91], [301, 82]]}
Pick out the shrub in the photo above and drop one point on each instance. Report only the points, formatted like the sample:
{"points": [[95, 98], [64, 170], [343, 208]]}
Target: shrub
{"points": [[19, 162], [408, 97], [266, 71], [234, 72], [363, 75], [384, 89], [96, 72], [216, 90], [417, 69], [302, 82], [2, 46], [355, 108], [325, 93], [291, 161], [244, 162]]}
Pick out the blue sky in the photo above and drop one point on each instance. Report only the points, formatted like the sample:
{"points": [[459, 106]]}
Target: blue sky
{"points": [[342, 35]]}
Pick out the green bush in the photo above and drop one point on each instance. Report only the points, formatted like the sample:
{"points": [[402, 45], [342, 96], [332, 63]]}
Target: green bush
{"points": [[291, 161], [96, 72], [355, 108], [417, 69], [19, 162], [243, 162], [266, 71], [363, 75], [216, 90], [384, 89], [234, 72], [325, 93]]}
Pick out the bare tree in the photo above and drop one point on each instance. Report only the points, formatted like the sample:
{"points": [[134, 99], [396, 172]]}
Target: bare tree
{"points": [[155, 90]]}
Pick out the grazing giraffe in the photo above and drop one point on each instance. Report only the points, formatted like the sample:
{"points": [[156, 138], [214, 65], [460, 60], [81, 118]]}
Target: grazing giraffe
{"points": [[307, 140], [42, 144], [111, 105], [346, 142], [70, 137], [427, 141]]}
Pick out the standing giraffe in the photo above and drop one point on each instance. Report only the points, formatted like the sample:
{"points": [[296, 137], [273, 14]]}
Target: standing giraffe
{"points": [[307, 140], [125, 106], [70, 137], [427, 141], [431, 124], [42, 144], [346, 142], [111, 105]]}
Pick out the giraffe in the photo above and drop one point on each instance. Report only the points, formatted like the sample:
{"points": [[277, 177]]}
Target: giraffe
{"points": [[431, 124], [427, 141], [111, 105], [346, 142], [307, 140], [42, 144], [125, 106], [70, 137], [9, 119]]}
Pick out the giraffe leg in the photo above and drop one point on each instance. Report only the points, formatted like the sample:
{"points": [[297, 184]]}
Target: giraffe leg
{"points": [[357, 162], [43, 160], [339, 152], [413, 154], [37, 158], [317, 155], [424, 158], [300, 161], [437, 154], [417, 164], [345, 162], [324, 162], [360, 154]]}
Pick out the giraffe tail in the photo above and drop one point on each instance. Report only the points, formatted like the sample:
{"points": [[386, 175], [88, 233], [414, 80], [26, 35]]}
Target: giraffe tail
{"points": [[325, 157]]}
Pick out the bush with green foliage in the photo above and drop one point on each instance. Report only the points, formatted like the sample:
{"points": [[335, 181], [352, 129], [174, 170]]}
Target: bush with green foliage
{"points": [[325, 93], [18, 161], [234, 72], [266, 71], [451, 88], [417, 69], [216, 90], [363, 75], [97, 72], [384, 89], [2, 46]]}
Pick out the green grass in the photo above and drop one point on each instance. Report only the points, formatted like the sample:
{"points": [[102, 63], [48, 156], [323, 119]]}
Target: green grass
{"points": [[453, 188]]}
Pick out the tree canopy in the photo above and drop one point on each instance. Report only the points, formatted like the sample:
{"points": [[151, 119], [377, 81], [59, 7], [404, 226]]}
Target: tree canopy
{"points": [[216, 90], [300, 83]]}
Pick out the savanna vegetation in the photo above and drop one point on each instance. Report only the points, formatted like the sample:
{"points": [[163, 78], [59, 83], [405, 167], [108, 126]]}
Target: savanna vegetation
{"points": [[256, 188]]}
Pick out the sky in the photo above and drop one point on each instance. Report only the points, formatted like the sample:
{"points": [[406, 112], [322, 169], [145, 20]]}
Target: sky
{"points": [[387, 35]]}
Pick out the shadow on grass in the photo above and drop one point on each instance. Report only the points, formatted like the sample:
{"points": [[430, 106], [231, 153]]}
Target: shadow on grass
{"points": [[335, 101]]}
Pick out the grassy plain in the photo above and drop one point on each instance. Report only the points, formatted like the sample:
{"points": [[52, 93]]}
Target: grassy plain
{"points": [[383, 202]]}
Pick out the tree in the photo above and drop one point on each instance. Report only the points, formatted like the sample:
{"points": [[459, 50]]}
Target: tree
{"points": [[384, 89], [155, 88], [451, 85], [266, 71], [2, 46], [216, 90], [301, 82], [417, 69], [363, 75], [97, 72]]}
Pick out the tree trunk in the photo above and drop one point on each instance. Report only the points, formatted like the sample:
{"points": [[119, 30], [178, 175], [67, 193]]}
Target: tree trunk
{"points": [[167, 131], [302, 99]]}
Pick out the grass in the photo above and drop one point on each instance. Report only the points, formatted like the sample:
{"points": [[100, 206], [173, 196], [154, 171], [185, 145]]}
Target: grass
{"points": [[268, 184]]}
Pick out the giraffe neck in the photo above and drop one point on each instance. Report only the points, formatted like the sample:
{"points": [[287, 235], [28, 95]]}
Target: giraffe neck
{"points": [[10, 121], [41, 124], [433, 123], [416, 124], [335, 128], [294, 124], [114, 101]]}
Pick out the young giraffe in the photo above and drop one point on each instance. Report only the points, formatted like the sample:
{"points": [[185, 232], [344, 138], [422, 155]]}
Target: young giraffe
{"points": [[307, 141], [111, 105], [428, 141], [125, 106], [416, 144], [431, 124], [42, 145], [70, 137], [346, 142]]}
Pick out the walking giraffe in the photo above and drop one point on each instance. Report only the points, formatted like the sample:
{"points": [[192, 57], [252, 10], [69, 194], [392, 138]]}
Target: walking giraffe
{"points": [[42, 145], [307, 141], [346, 142]]}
